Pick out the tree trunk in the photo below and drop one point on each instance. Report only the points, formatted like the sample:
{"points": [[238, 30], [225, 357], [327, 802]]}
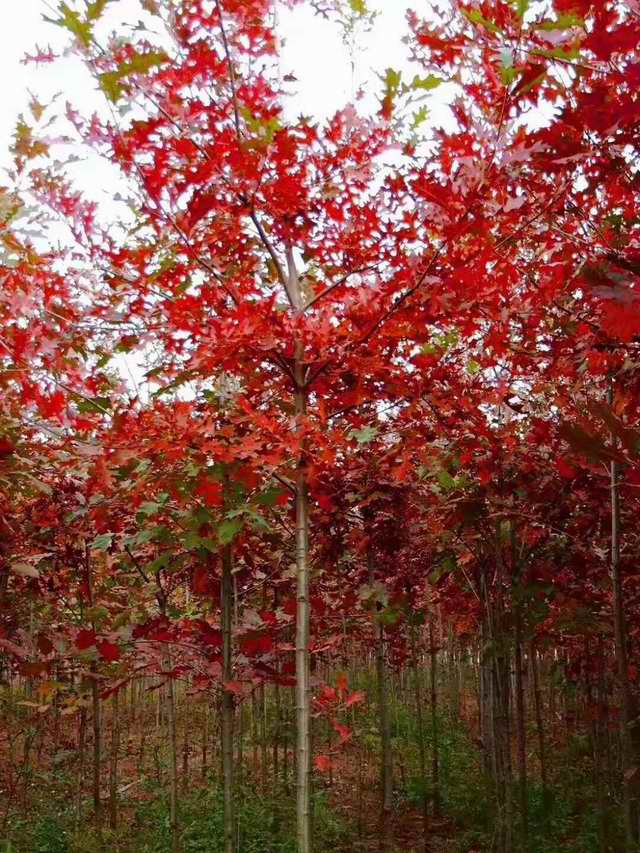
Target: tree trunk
{"points": [[113, 764], [422, 761], [97, 746], [630, 729], [385, 739], [264, 760], [276, 736], [173, 760], [303, 694], [205, 741], [384, 720], [435, 758], [95, 707], [82, 738], [170, 708], [521, 730], [186, 738], [226, 608], [533, 653]]}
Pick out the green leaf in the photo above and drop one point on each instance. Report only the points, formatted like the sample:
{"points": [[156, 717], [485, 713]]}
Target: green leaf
{"points": [[389, 616], [71, 20], [227, 530], [476, 17], [96, 8], [508, 75], [96, 404], [563, 22], [192, 541], [419, 117], [159, 563], [102, 542], [445, 567], [269, 496], [149, 508], [416, 617], [39, 485], [147, 534], [558, 53], [110, 85], [446, 480], [364, 435], [426, 83], [257, 521], [522, 7], [263, 129], [392, 81], [472, 367], [506, 57], [98, 614], [111, 81], [359, 7], [10, 207]]}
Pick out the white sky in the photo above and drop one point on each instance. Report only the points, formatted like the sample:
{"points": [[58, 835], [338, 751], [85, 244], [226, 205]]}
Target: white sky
{"points": [[313, 50]]}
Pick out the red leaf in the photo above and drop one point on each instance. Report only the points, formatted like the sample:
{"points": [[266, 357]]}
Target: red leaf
{"points": [[85, 638], [109, 651], [44, 644], [247, 477], [33, 668], [323, 763], [199, 208], [620, 322], [324, 502], [567, 471], [6, 447], [623, 39], [329, 693], [342, 682], [485, 475], [354, 698], [52, 406], [531, 75], [344, 731], [12, 648], [211, 492], [259, 644], [200, 583], [580, 6]]}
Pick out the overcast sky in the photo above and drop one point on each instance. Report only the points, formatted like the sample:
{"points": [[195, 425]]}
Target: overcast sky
{"points": [[313, 50]]}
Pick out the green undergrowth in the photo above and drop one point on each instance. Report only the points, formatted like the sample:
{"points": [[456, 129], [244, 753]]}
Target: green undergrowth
{"points": [[562, 818], [266, 826]]}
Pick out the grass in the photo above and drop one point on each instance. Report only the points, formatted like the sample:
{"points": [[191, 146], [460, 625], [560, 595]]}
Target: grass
{"points": [[562, 819], [267, 826]]}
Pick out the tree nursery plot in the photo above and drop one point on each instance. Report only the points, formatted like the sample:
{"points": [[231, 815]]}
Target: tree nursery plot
{"points": [[320, 437]]}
